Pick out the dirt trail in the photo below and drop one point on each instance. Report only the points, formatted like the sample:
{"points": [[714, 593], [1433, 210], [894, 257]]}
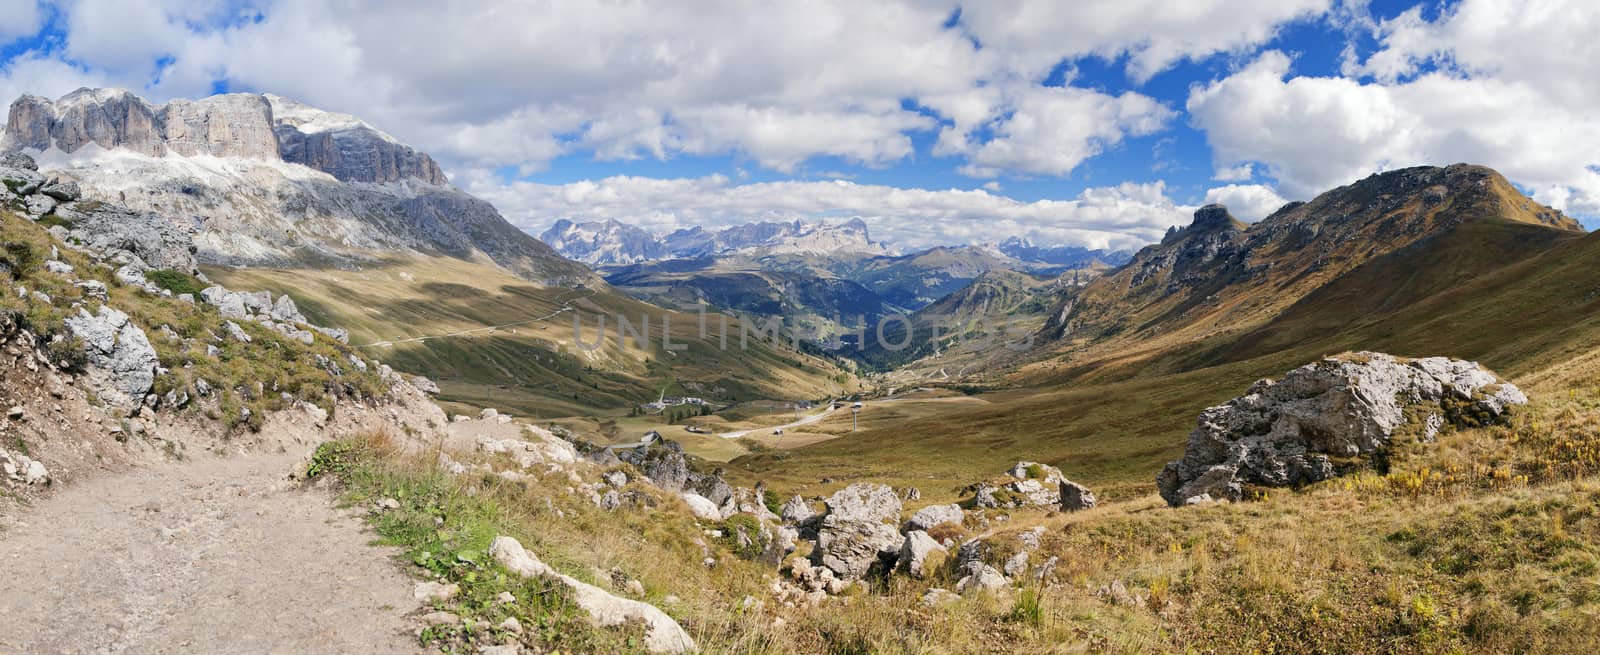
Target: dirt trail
{"points": [[205, 556]]}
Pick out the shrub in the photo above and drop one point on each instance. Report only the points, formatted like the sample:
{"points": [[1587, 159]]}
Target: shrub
{"points": [[178, 282]]}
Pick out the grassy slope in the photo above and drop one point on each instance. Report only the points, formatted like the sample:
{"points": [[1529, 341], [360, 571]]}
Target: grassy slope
{"points": [[533, 368], [1526, 319]]}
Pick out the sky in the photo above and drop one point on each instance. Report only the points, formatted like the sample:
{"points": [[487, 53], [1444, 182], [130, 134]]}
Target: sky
{"points": [[1092, 123]]}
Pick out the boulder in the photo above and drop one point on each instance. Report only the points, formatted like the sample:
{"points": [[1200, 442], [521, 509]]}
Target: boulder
{"points": [[1075, 496], [858, 533], [977, 576], [934, 515], [1348, 407], [795, 511], [62, 191], [18, 160], [702, 508], [920, 555], [228, 303], [662, 634], [122, 364]]}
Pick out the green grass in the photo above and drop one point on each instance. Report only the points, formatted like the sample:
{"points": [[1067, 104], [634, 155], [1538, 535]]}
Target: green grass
{"points": [[178, 282], [269, 373], [445, 535]]}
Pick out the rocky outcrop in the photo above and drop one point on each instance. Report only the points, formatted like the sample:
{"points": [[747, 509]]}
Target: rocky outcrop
{"points": [[346, 147], [372, 193], [1291, 432], [122, 364], [858, 533], [662, 634], [1031, 484], [232, 125]]}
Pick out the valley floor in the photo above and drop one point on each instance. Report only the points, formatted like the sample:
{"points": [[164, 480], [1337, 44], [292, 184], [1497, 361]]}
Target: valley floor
{"points": [[179, 557]]}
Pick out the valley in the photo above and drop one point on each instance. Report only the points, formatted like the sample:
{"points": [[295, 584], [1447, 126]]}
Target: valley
{"points": [[1366, 418]]}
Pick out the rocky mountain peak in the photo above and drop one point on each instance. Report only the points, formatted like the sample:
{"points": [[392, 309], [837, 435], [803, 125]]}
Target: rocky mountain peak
{"points": [[1214, 217], [241, 125]]}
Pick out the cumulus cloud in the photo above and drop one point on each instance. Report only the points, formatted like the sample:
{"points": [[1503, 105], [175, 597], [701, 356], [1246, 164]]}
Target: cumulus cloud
{"points": [[518, 84], [1507, 85], [1050, 130], [1033, 35], [22, 18], [1123, 216], [1247, 202]]}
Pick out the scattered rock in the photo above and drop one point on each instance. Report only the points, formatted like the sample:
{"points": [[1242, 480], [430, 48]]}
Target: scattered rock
{"points": [[936, 596], [58, 267], [440, 618]]}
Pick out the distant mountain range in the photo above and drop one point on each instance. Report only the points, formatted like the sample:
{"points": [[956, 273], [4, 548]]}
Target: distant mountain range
{"points": [[603, 243]]}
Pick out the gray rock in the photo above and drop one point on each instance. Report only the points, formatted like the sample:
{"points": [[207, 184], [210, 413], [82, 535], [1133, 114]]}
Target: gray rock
{"points": [[1028, 484], [920, 555], [795, 511], [40, 205], [58, 267], [934, 515], [977, 576], [425, 385], [122, 364], [858, 533], [662, 634], [701, 507], [94, 289], [1286, 433], [18, 160], [228, 303], [1075, 496], [62, 191], [153, 240], [235, 332]]}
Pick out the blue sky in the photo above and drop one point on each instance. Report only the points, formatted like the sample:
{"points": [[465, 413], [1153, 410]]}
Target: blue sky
{"points": [[1093, 123]]}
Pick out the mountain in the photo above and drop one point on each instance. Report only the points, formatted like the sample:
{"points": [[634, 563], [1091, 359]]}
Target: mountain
{"points": [[264, 180], [614, 242], [600, 243], [1023, 249], [915, 280], [1219, 276]]}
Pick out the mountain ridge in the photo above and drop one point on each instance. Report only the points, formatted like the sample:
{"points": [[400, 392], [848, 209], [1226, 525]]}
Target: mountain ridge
{"points": [[257, 189]]}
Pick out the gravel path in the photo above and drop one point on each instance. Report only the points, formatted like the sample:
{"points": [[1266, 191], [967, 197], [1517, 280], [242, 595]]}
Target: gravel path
{"points": [[205, 556]]}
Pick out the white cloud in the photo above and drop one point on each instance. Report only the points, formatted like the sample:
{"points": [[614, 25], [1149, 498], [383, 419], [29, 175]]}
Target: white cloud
{"points": [[1124, 216], [1033, 35], [1247, 202], [1050, 130], [1507, 85], [22, 18], [1313, 133], [503, 83], [1238, 173]]}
